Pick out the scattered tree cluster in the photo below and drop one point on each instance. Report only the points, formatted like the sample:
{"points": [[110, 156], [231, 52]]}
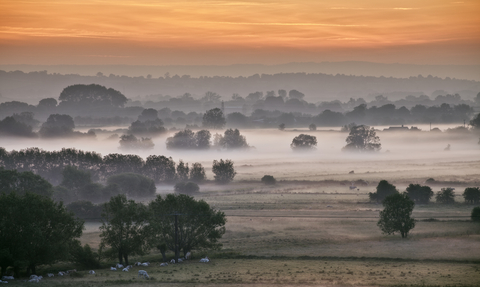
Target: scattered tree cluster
{"points": [[304, 142], [362, 139]]}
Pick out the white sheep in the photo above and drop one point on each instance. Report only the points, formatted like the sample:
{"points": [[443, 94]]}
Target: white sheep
{"points": [[143, 273], [113, 269], [50, 275], [8, 278], [164, 264], [119, 266], [188, 255], [138, 263], [34, 280], [205, 260], [3, 281], [91, 272], [125, 269], [61, 273], [145, 264]]}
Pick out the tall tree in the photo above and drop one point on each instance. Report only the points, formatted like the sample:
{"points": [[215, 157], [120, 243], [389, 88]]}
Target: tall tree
{"points": [[362, 138], [472, 195], [419, 194], [124, 227], [23, 182], [214, 118], [223, 170], [396, 215], [199, 225], [303, 142], [232, 139], [197, 173], [35, 230], [384, 189]]}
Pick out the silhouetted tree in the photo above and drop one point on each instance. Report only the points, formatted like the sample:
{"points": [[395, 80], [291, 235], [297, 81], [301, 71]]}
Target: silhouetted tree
{"points": [[11, 127], [396, 215], [232, 139], [472, 195], [57, 126], [91, 95], [419, 194], [197, 173], [133, 185], [214, 118], [312, 127], [23, 182], [223, 170], [446, 196], [128, 142], [268, 180], [384, 189], [304, 142], [362, 138], [182, 171]]}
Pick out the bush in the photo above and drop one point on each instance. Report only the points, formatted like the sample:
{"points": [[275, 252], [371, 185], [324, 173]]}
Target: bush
{"points": [[472, 195], [85, 256], [269, 180], [304, 142], [419, 194], [384, 189], [85, 210], [223, 170], [197, 173], [476, 214], [134, 185], [186, 187], [446, 196]]}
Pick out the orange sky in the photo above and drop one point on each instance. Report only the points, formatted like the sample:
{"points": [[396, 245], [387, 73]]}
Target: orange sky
{"points": [[228, 32]]}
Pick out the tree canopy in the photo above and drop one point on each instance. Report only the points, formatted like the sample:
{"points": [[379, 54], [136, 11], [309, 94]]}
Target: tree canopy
{"points": [[123, 227], [90, 95], [304, 142], [384, 189], [214, 119], [446, 196], [419, 194], [232, 139], [223, 170], [396, 215], [34, 230], [362, 138], [24, 182], [472, 195], [199, 225]]}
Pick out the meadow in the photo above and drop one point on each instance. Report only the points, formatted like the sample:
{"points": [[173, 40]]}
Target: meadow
{"points": [[312, 229]]}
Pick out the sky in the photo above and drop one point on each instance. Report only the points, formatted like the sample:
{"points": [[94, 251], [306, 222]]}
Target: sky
{"points": [[148, 32]]}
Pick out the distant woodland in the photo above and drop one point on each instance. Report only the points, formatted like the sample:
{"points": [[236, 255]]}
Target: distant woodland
{"points": [[317, 87]]}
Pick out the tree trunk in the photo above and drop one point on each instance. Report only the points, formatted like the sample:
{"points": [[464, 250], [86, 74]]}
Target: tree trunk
{"points": [[120, 258], [164, 256], [16, 271], [126, 259], [33, 269]]}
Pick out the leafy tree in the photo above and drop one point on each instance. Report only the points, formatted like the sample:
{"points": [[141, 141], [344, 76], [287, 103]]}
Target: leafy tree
{"points": [[124, 227], [294, 94], [133, 184], [9, 126], [223, 170], [182, 140], [419, 194], [24, 182], [396, 215], [160, 168], [472, 195], [475, 122], [281, 126], [446, 196], [85, 256], [74, 178], [312, 127], [147, 128], [303, 142], [384, 189], [182, 171], [214, 118], [362, 138], [116, 163], [92, 191], [199, 225], [186, 187], [232, 139], [197, 173], [148, 115], [85, 210], [237, 120], [35, 230], [57, 126], [47, 103], [268, 180], [128, 142], [202, 139], [476, 214], [92, 95]]}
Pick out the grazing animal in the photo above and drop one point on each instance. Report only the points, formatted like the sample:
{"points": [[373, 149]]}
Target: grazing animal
{"points": [[50, 275], [125, 269], [8, 278], [143, 273], [113, 269], [145, 264], [188, 256], [164, 264], [71, 271], [34, 280], [3, 281], [61, 273], [91, 272], [351, 172], [205, 260], [138, 263], [119, 266], [172, 261]]}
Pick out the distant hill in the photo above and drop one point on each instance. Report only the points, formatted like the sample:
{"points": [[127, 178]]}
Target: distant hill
{"points": [[32, 86], [466, 72]]}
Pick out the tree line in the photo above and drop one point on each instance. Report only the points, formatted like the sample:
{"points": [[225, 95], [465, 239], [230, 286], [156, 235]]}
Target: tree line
{"points": [[35, 230]]}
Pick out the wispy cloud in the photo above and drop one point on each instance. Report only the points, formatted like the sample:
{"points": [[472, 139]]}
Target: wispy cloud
{"points": [[285, 24]]}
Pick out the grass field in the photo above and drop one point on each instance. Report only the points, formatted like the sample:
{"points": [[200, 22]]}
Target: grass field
{"points": [[311, 229]]}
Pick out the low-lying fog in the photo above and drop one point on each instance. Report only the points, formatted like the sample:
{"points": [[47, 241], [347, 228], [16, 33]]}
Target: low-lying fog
{"points": [[421, 153]]}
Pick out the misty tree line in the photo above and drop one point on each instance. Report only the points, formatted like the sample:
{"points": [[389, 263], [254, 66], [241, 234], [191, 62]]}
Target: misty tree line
{"points": [[50, 164]]}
